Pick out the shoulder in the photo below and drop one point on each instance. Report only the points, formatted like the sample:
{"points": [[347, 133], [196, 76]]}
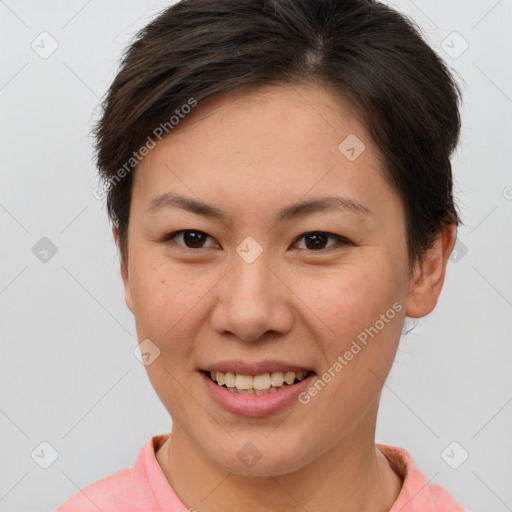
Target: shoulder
{"points": [[136, 488], [111, 493], [442, 500], [417, 494]]}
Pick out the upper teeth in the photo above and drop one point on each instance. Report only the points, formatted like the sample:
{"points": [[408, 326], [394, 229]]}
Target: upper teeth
{"points": [[259, 382]]}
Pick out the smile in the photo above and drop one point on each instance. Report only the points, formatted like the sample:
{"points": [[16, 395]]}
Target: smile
{"points": [[257, 384], [238, 393]]}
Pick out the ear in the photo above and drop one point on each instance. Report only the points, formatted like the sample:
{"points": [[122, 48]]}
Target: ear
{"points": [[428, 277], [124, 272]]}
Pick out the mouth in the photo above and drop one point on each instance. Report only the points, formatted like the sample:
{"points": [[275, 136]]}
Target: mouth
{"points": [[261, 384]]}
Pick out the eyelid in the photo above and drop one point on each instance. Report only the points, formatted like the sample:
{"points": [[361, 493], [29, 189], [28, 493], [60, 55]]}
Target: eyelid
{"points": [[169, 238], [341, 240]]}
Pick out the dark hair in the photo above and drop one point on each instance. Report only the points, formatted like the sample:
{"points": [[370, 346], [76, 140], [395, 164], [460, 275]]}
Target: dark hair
{"points": [[369, 54]]}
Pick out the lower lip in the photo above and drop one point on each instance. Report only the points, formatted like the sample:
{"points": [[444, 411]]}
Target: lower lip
{"points": [[255, 405]]}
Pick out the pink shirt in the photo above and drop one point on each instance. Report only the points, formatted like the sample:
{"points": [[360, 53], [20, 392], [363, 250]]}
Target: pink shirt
{"points": [[143, 487]]}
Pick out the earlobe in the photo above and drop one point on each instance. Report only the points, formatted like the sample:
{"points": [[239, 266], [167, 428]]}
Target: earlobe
{"points": [[124, 272], [429, 274]]}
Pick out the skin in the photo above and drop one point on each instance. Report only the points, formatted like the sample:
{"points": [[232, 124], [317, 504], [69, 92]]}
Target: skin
{"points": [[250, 154]]}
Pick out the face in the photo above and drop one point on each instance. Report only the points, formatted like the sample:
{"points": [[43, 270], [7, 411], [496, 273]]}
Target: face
{"points": [[262, 281]]}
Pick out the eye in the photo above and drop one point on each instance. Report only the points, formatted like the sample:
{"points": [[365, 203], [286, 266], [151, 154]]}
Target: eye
{"points": [[316, 240], [192, 239]]}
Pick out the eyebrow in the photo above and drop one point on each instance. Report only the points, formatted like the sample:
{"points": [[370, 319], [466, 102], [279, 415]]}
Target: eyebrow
{"points": [[330, 203]]}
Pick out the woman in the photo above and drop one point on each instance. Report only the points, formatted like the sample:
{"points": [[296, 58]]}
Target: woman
{"points": [[279, 180]]}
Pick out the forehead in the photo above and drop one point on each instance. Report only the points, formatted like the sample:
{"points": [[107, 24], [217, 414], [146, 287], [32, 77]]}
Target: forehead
{"points": [[303, 108], [277, 143]]}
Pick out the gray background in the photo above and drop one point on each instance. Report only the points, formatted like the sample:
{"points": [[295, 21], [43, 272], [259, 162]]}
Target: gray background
{"points": [[68, 375]]}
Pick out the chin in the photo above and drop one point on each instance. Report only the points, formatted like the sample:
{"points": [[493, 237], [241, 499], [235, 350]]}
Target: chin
{"points": [[253, 462]]}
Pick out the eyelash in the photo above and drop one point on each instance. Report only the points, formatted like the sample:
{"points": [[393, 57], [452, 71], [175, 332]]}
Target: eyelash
{"points": [[169, 238]]}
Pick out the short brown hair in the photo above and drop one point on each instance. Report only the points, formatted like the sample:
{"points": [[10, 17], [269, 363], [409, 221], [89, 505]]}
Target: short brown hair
{"points": [[373, 56]]}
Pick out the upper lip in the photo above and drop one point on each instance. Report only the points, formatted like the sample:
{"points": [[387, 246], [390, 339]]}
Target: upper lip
{"points": [[258, 368]]}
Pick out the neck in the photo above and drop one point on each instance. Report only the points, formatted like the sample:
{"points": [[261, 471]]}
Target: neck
{"points": [[351, 476]]}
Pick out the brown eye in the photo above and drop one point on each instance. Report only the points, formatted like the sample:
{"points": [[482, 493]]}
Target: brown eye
{"points": [[315, 241], [318, 240], [190, 239]]}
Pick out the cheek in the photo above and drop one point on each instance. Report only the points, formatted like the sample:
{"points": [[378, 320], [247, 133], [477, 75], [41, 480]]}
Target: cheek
{"points": [[363, 309], [164, 302], [348, 300], [162, 294]]}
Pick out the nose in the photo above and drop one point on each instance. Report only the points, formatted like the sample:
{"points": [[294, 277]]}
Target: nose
{"points": [[252, 300]]}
